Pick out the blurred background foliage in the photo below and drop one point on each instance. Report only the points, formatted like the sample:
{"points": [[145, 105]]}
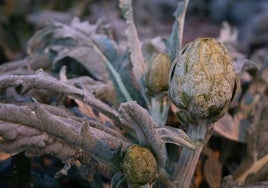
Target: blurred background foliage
{"points": [[20, 19]]}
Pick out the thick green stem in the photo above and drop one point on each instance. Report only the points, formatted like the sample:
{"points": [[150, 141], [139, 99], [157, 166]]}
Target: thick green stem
{"points": [[186, 165]]}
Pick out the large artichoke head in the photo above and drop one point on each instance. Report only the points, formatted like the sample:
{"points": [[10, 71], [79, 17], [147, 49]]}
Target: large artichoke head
{"points": [[202, 81]]}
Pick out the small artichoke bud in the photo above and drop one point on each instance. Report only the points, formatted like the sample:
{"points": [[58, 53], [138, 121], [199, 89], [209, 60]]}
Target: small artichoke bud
{"points": [[156, 77], [202, 81], [139, 166]]}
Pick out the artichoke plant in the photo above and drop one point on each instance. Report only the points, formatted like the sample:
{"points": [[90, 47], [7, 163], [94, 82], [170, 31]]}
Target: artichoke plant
{"points": [[202, 85], [118, 122]]}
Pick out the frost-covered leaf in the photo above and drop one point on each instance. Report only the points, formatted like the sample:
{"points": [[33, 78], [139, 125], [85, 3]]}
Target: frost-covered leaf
{"points": [[243, 64], [40, 18], [32, 141], [134, 44], [229, 37], [41, 123], [175, 39], [26, 66], [41, 80], [85, 56], [94, 52]]}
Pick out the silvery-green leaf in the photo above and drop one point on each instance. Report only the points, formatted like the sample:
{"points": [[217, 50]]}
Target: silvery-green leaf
{"points": [[86, 56], [76, 30], [120, 68], [41, 80], [175, 40], [134, 44], [40, 18], [80, 43]]}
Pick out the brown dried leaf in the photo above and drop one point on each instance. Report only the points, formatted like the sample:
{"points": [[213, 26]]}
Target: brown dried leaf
{"points": [[5, 156], [212, 168]]}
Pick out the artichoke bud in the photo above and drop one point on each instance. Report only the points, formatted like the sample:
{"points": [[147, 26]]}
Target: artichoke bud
{"points": [[202, 80], [156, 77], [139, 166]]}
